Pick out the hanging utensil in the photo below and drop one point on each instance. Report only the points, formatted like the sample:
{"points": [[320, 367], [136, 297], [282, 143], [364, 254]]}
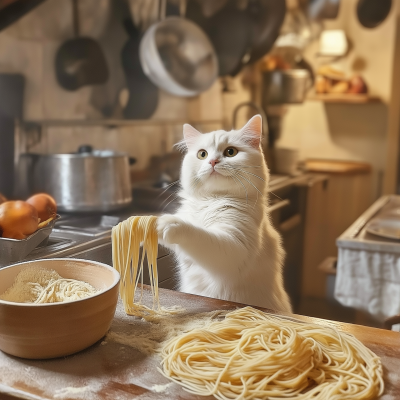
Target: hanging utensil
{"points": [[210, 7], [12, 11], [143, 94], [241, 35], [323, 9], [267, 18], [177, 55], [80, 61], [372, 13], [230, 32]]}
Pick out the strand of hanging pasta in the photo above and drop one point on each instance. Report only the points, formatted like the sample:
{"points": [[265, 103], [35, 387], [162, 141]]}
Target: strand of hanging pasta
{"points": [[127, 237], [254, 355]]}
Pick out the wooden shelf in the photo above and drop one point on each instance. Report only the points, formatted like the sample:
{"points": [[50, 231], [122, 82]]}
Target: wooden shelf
{"points": [[114, 122], [345, 98], [336, 166]]}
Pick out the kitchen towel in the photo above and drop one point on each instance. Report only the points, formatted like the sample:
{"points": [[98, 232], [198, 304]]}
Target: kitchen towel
{"points": [[369, 281]]}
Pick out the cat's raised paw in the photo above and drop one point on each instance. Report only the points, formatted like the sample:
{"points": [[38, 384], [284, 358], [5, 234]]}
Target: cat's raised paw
{"points": [[170, 228]]}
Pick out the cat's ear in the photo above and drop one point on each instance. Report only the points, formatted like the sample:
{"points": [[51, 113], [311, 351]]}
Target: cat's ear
{"points": [[190, 135], [252, 131]]}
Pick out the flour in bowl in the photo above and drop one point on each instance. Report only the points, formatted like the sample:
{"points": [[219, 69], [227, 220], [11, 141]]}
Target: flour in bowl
{"points": [[42, 285]]}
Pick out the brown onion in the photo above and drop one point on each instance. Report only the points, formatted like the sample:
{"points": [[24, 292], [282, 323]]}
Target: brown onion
{"points": [[45, 205], [18, 219], [3, 198], [358, 85]]}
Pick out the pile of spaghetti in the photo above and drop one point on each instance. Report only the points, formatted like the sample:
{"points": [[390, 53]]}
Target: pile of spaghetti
{"points": [[254, 355]]}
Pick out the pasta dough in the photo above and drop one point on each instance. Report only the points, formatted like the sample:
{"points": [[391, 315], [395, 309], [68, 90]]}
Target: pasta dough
{"points": [[254, 355], [127, 237]]}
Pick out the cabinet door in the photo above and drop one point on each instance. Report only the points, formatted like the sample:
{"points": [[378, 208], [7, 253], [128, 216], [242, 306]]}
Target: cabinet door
{"points": [[166, 268], [316, 246]]}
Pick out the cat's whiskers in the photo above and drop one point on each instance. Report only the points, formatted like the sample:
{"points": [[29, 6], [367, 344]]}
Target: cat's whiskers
{"points": [[232, 175], [255, 175], [168, 187], [197, 180], [237, 174], [246, 172], [257, 190], [173, 193], [173, 199], [236, 177], [195, 183], [251, 183], [247, 166], [275, 195]]}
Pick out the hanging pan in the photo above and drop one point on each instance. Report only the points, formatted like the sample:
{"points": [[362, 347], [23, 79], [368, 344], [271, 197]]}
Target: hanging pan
{"points": [[80, 61]]}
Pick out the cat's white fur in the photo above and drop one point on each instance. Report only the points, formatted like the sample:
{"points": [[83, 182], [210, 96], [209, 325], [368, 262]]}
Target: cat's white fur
{"points": [[225, 244]]}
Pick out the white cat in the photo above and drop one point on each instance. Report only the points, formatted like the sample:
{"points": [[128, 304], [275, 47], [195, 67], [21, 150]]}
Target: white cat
{"points": [[225, 244]]}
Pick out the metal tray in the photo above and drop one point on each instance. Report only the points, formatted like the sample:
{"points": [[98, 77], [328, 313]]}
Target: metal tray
{"points": [[13, 250]]}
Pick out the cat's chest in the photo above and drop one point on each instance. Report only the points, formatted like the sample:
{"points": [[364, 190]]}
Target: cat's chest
{"points": [[208, 215]]}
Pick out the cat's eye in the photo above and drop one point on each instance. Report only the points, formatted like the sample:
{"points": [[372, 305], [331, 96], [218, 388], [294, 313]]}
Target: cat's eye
{"points": [[202, 154], [230, 152]]}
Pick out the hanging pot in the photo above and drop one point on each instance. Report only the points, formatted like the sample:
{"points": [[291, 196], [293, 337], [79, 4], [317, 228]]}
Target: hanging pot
{"points": [[372, 13]]}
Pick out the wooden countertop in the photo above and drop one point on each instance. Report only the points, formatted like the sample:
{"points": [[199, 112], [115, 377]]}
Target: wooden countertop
{"points": [[111, 370]]}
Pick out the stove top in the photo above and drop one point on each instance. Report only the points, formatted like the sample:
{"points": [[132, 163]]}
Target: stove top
{"points": [[92, 226]]}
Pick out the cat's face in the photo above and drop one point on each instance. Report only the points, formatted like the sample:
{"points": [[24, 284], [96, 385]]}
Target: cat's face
{"points": [[229, 163]]}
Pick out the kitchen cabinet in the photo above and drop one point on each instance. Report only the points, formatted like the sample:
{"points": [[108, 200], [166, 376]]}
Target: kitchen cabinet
{"points": [[287, 212], [333, 204]]}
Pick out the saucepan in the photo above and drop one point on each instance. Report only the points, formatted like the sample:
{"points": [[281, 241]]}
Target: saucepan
{"points": [[89, 180], [285, 86]]}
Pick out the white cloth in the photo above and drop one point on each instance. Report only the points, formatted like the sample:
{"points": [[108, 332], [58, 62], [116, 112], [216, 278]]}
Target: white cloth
{"points": [[369, 281]]}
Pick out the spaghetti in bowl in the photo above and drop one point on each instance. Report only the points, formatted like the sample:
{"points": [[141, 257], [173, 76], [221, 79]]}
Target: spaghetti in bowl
{"points": [[48, 330]]}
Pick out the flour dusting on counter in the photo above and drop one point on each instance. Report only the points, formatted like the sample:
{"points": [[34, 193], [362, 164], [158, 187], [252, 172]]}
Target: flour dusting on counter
{"points": [[68, 391], [161, 388], [148, 337]]}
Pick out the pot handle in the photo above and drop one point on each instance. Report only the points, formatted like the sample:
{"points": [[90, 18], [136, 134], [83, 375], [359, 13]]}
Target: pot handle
{"points": [[305, 65]]}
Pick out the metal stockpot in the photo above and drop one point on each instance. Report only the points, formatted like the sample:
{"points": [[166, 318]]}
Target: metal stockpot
{"points": [[285, 86], [85, 181]]}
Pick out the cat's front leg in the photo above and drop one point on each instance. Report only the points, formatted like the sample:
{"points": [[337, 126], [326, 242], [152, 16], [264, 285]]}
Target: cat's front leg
{"points": [[171, 229]]}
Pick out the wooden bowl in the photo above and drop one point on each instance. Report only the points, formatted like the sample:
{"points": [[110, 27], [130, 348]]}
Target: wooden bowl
{"points": [[39, 331]]}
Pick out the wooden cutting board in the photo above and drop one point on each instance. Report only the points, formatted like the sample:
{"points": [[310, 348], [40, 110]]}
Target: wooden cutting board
{"points": [[110, 370], [337, 166]]}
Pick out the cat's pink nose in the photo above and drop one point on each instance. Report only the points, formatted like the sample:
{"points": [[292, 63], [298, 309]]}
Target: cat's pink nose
{"points": [[213, 162]]}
